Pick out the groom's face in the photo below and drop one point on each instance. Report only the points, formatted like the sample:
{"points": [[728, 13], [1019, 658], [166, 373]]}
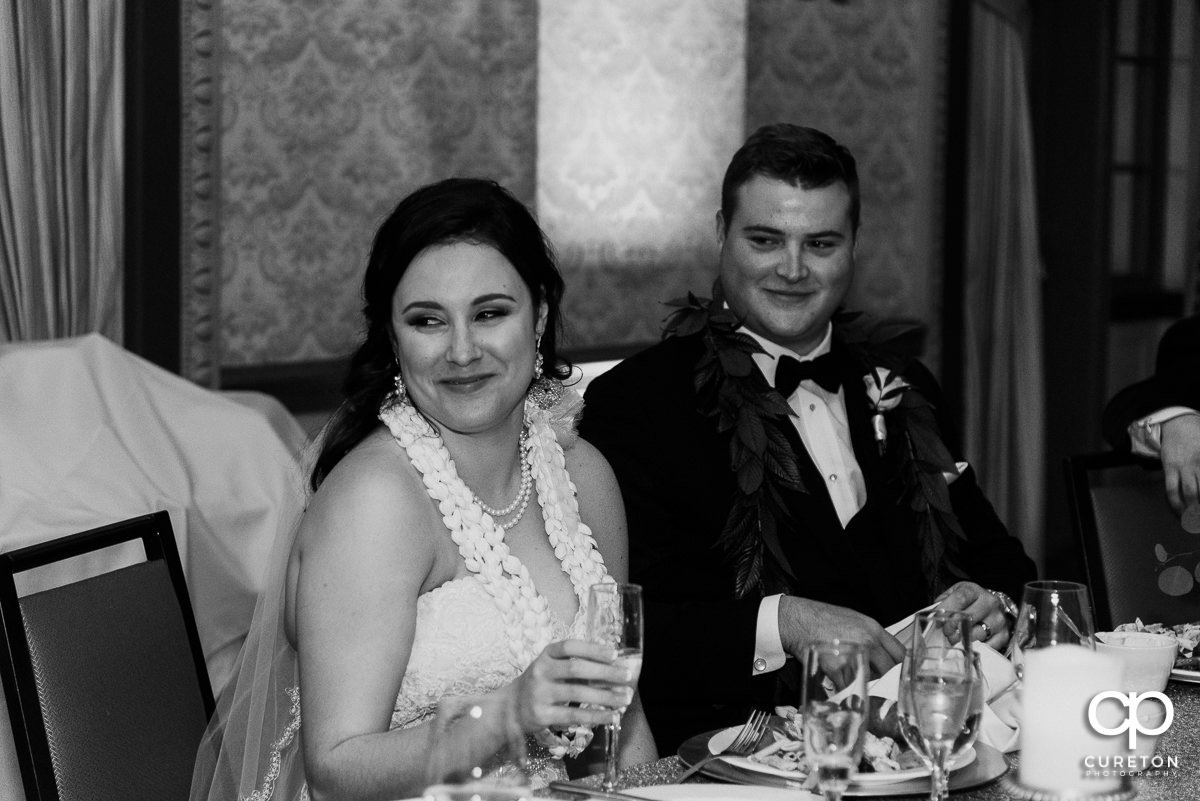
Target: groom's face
{"points": [[787, 259]]}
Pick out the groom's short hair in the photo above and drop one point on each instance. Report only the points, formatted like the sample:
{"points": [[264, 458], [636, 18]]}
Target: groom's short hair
{"points": [[801, 156]]}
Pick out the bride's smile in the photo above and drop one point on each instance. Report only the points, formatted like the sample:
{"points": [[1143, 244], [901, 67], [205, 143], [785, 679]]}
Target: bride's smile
{"points": [[466, 330]]}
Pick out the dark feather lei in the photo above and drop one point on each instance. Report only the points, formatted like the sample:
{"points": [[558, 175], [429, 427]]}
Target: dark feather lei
{"points": [[731, 389]]}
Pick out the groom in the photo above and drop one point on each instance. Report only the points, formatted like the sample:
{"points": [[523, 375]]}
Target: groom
{"points": [[773, 502]]}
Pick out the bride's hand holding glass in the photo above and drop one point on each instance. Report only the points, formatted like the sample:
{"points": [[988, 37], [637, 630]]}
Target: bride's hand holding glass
{"points": [[572, 683]]}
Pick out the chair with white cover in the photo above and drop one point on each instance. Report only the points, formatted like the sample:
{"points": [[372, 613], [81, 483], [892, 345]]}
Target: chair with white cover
{"points": [[107, 689]]}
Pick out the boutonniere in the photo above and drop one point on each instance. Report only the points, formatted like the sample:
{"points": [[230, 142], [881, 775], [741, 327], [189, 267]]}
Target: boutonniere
{"points": [[884, 390]]}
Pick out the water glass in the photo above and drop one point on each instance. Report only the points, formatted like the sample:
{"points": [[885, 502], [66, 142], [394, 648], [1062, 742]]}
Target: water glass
{"points": [[478, 751], [833, 706]]}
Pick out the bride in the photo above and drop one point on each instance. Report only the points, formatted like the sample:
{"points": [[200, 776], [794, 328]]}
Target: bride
{"points": [[455, 526]]}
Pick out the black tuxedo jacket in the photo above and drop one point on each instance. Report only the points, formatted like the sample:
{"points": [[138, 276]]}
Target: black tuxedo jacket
{"points": [[1176, 382], [674, 471]]}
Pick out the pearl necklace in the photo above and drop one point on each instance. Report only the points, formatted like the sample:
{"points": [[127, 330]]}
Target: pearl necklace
{"points": [[523, 493]]}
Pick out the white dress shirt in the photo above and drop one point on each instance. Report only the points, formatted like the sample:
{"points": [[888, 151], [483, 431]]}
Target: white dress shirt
{"points": [[1145, 435], [820, 420]]}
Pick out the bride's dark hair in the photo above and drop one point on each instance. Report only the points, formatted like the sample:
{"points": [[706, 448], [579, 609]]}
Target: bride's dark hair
{"points": [[455, 210]]}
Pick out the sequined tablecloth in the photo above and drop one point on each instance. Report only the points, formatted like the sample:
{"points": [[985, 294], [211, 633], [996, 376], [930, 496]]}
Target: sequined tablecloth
{"points": [[1178, 782]]}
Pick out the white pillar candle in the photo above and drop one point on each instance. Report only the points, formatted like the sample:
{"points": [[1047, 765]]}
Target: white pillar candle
{"points": [[1056, 738]]}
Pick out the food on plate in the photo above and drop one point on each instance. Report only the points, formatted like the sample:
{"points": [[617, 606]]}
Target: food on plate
{"points": [[785, 751], [1186, 634]]}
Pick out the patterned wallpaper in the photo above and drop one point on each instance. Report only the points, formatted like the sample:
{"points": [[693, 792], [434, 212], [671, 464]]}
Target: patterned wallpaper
{"points": [[871, 74], [332, 112], [640, 105], [615, 119]]}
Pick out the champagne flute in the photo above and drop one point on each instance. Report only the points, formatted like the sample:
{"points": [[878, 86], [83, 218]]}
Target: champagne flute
{"points": [[967, 735], [937, 695], [614, 618], [950, 629], [833, 706]]}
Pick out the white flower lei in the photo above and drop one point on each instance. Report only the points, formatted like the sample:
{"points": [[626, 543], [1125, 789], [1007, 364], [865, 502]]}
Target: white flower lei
{"points": [[480, 539]]}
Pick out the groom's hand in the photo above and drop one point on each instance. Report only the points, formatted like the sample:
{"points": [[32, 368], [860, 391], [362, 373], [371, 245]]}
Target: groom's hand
{"points": [[802, 621]]}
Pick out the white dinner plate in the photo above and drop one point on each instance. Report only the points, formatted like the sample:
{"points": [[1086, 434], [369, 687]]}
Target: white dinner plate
{"points": [[721, 740], [721, 792], [1186, 676]]}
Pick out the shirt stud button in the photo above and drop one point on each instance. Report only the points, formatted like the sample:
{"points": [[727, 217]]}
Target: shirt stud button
{"points": [[760, 665]]}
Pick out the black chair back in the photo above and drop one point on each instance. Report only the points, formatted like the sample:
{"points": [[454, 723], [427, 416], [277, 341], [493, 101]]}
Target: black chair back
{"points": [[107, 688], [1140, 562]]}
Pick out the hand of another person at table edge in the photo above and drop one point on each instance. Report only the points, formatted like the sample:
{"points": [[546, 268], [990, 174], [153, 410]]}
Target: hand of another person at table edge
{"points": [[803, 621], [1180, 453]]}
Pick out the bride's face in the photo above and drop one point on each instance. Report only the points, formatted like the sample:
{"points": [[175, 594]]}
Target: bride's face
{"points": [[466, 331]]}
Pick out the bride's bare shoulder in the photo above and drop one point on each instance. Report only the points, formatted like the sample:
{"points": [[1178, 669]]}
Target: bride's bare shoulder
{"points": [[374, 489], [600, 505], [587, 466]]}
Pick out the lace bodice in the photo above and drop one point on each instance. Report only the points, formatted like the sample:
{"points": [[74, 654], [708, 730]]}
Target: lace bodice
{"points": [[460, 648]]}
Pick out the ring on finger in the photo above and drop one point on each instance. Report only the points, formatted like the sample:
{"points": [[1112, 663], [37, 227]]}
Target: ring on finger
{"points": [[987, 630]]}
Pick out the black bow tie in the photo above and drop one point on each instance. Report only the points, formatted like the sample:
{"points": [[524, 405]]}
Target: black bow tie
{"points": [[791, 371]]}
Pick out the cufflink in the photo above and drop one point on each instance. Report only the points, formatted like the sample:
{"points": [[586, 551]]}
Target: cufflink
{"points": [[760, 664]]}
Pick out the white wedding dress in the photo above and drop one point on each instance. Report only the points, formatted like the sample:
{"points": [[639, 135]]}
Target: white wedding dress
{"points": [[473, 634], [460, 649]]}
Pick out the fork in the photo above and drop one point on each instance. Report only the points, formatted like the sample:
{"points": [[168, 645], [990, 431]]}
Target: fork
{"points": [[743, 744]]}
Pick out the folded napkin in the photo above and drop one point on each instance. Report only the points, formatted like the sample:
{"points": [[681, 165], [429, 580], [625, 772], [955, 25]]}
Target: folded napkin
{"points": [[1001, 714]]}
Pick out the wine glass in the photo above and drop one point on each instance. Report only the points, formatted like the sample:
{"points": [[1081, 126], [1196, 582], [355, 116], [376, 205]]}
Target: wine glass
{"points": [[1052, 613], [940, 706], [614, 618], [833, 706]]}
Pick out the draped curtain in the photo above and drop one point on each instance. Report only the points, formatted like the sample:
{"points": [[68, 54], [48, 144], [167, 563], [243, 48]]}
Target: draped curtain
{"points": [[1004, 404], [61, 134]]}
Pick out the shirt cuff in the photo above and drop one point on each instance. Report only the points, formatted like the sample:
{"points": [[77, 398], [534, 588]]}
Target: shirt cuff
{"points": [[1145, 434], [768, 647]]}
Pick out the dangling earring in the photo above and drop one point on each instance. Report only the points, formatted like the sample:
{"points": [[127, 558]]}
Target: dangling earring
{"points": [[399, 394], [545, 392]]}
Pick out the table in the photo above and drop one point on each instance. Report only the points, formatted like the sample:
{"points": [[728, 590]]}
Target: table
{"points": [[1179, 783]]}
